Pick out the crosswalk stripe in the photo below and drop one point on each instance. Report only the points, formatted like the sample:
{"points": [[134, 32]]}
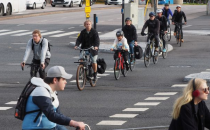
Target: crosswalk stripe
{"points": [[179, 85], [147, 104], [12, 32], [11, 103], [4, 30], [65, 34], [157, 98], [166, 93], [53, 32], [27, 33], [135, 109], [111, 122], [123, 116], [103, 74], [5, 108], [109, 71]]}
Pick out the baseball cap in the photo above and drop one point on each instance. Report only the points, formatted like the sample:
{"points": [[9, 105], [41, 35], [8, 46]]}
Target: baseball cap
{"points": [[58, 71]]}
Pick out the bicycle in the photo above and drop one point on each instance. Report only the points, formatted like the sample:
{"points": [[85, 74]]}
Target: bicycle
{"points": [[178, 33], [34, 69], [132, 62], [87, 126], [84, 70], [168, 36], [119, 65], [164, 54]]}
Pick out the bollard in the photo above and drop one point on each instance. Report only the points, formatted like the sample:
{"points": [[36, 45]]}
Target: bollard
{"points": [[95, 18]]}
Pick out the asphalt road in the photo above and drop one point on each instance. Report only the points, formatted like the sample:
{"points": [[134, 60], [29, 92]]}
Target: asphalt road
{"points": [[109, 97]]}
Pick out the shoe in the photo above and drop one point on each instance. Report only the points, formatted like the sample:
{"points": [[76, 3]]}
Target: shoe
{"points": [[182, 40], [164, 50], [127, 66], [94, 76], [174, 34]]}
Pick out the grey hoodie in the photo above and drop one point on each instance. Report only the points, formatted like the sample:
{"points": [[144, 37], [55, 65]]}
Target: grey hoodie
{"points": [[40, 53]]}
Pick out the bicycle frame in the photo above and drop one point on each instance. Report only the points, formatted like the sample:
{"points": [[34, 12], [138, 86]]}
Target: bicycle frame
{"points": [[120, 56], [151, 43]]}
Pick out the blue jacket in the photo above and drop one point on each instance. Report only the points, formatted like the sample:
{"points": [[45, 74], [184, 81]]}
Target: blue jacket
{"points": [[166, 13], [45, 99]]}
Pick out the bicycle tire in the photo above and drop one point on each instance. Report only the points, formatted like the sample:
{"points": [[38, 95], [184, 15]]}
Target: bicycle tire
{"points": [[79, 75], [155, 59], [124, 70], [147, 56], [132, 64], [180, 42], [169, 34], [117, 68], [164, 54], [92, 83]]}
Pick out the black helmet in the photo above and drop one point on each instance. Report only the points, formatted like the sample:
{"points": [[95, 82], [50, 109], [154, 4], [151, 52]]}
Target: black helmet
{"points": [[166, 4], [128, 18], [151, 14], [119, 33]]}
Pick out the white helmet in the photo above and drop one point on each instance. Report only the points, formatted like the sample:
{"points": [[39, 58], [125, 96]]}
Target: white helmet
{"points": [[159, 11], [178, 6]]}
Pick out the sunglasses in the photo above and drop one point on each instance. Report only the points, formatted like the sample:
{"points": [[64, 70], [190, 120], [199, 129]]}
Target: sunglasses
{"points": [[205, 90]]}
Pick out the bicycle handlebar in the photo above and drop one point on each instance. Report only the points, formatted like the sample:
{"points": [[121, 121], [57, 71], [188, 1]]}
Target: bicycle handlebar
{"points": [[92, 47], [77, 128], [31, 64]]}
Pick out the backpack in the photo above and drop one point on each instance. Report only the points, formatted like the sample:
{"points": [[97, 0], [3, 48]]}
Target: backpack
{"points": [[101, 66], [20, 109], [138, 52], [49, 45]]}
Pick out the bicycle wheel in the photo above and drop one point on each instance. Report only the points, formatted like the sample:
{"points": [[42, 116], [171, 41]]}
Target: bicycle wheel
{"points": [[180, 42], [124, 70], [117, 69], [80, 77], [155, 58], [147, 55], [169, 33], [164, 54], [177, 37], [92, 82], [132, 64]]}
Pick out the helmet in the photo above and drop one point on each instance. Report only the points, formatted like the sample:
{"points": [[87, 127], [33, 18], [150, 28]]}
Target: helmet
{"points": [[151, 14], [128, 18], [178, 6], [159, 11], [119, 33], [166, 4]]}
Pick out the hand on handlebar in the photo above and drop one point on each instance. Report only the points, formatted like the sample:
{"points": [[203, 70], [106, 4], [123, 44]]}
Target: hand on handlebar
{"points": [[42, 66], [185, 23], [143, 34], [75, 47], [22, 65], [111, 49], [96, 48], [80, 126]]}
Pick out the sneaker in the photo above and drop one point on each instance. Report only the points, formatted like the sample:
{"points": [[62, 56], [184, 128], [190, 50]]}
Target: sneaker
{"points": [[94, 76], [182, 40], [164, 50]]}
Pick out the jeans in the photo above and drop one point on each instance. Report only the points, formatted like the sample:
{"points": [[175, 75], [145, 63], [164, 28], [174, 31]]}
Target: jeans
{"points": [[163, 39], [131, 46], [41, 71]]}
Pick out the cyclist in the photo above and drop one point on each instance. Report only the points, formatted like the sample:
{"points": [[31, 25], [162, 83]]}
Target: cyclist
{"points": [[154, 28], [39, 46], [177, 18], [167, 12], [163, 26], [130, 34], [87, 38], [44, 98], [120, 43]]}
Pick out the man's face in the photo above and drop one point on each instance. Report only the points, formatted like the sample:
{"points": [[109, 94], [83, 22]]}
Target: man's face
{"points": [[36, 37], [152, 17], [128, 22], [88, 26], [60, 85], [166, 7], [178, 9], [159, 14], [119, 38]]}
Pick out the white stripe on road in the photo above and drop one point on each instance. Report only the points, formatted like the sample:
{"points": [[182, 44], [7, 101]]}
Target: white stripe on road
{"points": [[70, 27], [111, 122], [13, 64], [5, 108], [18, 31], [76, 57], [147, 104], [186, 26], [4, 30], [135, 109], [65, 34], [19, 43], [11, 103], [103, 74], [179, 85], [157, 98], [166, 93], [27, 33], [124, 116], [53, 32], [109, 71]]}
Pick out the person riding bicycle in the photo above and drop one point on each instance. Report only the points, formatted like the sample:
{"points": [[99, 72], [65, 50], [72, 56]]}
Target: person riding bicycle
{"points": [[44, 98], [120, 43], [39, 46], [130, 34], [153, 28], [177, 18], [163, 27], [167, 12], [87, 38]]}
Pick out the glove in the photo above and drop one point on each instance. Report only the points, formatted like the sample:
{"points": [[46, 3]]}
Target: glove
{"points": [[143, 34]]}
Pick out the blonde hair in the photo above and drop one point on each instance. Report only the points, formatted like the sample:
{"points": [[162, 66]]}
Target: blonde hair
{"points": [[86, 21], [37, 32], [186, 96]]}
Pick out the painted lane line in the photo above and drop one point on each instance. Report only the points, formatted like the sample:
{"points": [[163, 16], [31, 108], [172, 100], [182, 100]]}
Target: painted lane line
{"points": [[27, 33], [147, 104], [13, 64], [19, 43], [109, 71], [166, 93], [70, 27], [11, 103], [124, 116], [73, 81], [135, 109], [65, 34], [12, 32], [5, 108], [53, 32], [103, 74], [20, 24], [76, 57], [186, 26], [157, 98], [4, 30], [179, 85], [111, 122]]}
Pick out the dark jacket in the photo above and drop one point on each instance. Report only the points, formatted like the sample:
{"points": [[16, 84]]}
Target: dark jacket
{"points": [[153, 26], [163, 22], [130, 33], [177, 17], [189, 120], [167, 12], [88, 39]]}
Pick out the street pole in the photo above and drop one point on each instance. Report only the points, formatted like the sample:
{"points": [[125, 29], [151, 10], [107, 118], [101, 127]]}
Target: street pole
{"points": [[123, 11], [155, 6], [87, 9]]}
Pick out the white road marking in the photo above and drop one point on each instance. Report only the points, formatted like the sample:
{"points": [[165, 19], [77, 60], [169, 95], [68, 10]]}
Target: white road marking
{"points": [[207, 69], [111, 122], [109, 71], [53, 32], [70, 27], [5, 108], [19, 43], [99, 32], [27, 33], [12, 32], [13, 64], [73, 81], [186, 26], [157, 98], [166, 93], [135, 109], [205, 72], [4, 30], [147, 104], [124, 116], [103, 74], [76, 57], [65, 34], [11, 103], [20, 24], [72, 37], [179, 85]]}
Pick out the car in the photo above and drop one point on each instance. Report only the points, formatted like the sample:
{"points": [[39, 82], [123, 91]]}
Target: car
{"points": [[161, 2], [67, 3], [116, 2], [36, 4]]}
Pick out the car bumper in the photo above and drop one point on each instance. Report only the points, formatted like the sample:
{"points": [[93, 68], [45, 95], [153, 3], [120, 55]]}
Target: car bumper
{"points": [[60, 3]]}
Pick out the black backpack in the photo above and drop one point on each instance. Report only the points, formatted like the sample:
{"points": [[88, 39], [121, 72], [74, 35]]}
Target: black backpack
{"points": [[20, 109], [49, 45], [138, 52], [101, 66]]}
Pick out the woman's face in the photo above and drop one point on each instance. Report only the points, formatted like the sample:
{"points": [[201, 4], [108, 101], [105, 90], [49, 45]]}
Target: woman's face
{"points": [[204, 91]]}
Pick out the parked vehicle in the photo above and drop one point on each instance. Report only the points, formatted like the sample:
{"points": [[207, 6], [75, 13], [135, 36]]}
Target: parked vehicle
{"points": [[67, 3], [7, 7], [116, 2], [36, 4], [161, 2]]}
